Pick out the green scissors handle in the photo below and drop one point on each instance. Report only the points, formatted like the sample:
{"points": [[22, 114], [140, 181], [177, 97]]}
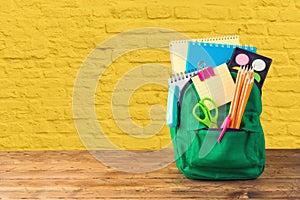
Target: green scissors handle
{"points": [[208, 120]]}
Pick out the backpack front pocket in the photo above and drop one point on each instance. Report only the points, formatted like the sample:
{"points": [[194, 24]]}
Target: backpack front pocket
{"points": [[235, 157]]}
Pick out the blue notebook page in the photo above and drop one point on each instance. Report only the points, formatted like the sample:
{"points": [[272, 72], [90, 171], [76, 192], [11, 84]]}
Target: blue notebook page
{"points": [[212, 54]]}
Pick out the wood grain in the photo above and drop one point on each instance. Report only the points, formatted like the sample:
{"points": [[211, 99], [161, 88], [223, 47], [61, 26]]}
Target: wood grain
{"points": [[78, 175]]}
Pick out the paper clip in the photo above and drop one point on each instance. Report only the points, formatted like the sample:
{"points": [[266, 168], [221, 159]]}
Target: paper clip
{"points": [[206, 72]]}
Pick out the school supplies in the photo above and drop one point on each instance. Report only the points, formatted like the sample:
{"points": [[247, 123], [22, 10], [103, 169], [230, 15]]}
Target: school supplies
{"points": [[198, 155], [172, 106], [180, 79], [243, 86], [212, 54], [261, 64], [179, 48], [209, 120], [219, 87], [201, 149], [176, 83]]}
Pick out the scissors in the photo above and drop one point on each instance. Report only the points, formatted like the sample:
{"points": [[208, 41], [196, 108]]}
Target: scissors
{"points": [[209, 120]]}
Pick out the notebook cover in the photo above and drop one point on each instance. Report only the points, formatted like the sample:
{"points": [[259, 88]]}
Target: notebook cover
{"points": [[179, 48], [212, 54]]}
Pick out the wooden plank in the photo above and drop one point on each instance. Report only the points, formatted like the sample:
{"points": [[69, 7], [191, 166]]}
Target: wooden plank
{"points": [[77, 175], [196, 191], [271, 171], [199, 189], [148, 194], [262, 184], [18, 157]]}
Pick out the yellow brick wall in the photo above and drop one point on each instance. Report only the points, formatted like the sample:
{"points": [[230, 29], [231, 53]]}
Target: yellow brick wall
{"points": [[43, 44]]}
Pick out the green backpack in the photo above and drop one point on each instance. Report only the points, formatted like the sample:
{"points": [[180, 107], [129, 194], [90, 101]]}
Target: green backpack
{"points": [[198, 155]]}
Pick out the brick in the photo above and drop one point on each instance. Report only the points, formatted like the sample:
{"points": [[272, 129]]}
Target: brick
{"points": [[64, 126], [15, 142], [282, 84], [8, 93], [278, 58], [282, 114], [155, 74], [24, 73], [290, 15], [56, 102], [44, 93], [279, 100], [297, 4], [2, 45], [3, 128], [178, 25], [80, 12], [128, 12], [293, 129], [273, 128], [14, 104], [256, 29], [122, 25], [102, 12], [284, 70], [281, 29], [294, 57], [3, 74], [191, 26], [16, 127], [292, 43], [220, 13], [237, 13], [185, 13], [97, 25], [12, 53], [147, 55], [8, 6], [6, 115], [159, 12], [54, 12], [274, 3], [263, 42], [288, 143], [221, 27], [227, 3], [267, 14]]}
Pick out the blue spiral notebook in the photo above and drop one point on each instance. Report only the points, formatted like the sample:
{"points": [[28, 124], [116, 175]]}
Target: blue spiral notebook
{"points": [[211, 54]]}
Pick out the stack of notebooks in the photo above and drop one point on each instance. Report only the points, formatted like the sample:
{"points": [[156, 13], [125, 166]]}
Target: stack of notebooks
{"points": [[207, 62]]}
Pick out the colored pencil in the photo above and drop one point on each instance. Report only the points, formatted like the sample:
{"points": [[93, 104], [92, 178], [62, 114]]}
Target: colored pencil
{"points": [[244, 102], [243, 86], [238, 91]]}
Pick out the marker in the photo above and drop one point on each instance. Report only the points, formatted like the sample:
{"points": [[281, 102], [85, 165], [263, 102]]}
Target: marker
{"points": [[172, 108]]}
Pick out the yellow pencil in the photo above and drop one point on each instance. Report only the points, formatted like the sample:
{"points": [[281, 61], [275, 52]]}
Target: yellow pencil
{"points": [[243, 90], [238, 92], [244, 102], [234, 92]]}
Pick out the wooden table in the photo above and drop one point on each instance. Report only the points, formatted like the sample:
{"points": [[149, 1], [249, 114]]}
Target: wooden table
{"points": [[78, 175]]}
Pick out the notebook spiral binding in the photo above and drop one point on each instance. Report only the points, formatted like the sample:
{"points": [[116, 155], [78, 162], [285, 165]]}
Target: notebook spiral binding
{"points": [[182, 76], [250, 47], [208, 39]]}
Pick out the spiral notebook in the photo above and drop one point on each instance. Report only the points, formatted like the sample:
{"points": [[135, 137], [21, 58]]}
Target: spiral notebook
{"points": [[212, 54], [217, 85], [176, 84], [179, 49]]}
